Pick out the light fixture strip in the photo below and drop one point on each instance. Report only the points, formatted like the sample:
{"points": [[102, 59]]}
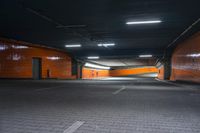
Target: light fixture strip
{"points": [[93, 57], [96, 66], [105, 44], [145, 56], [143, 22], [73, 46]]}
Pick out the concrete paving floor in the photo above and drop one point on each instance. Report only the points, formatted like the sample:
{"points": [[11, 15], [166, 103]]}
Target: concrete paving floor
{"points": [[138, 105]]}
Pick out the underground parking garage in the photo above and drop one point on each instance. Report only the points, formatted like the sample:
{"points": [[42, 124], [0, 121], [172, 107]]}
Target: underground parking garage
{"points": [[99, 66]]}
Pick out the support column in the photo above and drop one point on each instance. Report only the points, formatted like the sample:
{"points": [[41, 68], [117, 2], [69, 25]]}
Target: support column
{"points": [[167, 64], [167, 69], [74, 67], [79, 69]]}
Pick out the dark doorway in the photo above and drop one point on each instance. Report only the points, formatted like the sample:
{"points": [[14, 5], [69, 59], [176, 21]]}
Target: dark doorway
{"points": [[36, 68]]}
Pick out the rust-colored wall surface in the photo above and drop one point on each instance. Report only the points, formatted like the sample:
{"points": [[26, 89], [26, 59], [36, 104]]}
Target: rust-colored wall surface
{"points": [[88, 73], [16, 60], [186, 60], [133, 71], [161, 73]]}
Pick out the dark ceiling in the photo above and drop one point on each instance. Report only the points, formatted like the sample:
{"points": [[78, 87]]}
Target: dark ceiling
{"points": [[47, 22]]}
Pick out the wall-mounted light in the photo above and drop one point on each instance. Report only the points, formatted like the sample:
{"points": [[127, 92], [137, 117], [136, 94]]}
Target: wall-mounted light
{"points": [[105, 44], [16, 57], [53, 58], [194, 55], [96, 66], [146, 56], [143, 22], [93, 57], [3, 47], [73, 46]]}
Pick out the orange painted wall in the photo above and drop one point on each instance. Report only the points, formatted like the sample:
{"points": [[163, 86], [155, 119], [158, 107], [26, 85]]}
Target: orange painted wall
{"points": [[133, 71], [161, 73], [186, 60], [16, 60], [88, 73]]}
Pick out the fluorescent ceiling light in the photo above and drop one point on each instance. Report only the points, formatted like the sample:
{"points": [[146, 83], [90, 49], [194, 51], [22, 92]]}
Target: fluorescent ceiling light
{"points": [[93, 57], [145, 56], [105, 44], [19, 47], [96, 66], [73, 46], [144, 22]]}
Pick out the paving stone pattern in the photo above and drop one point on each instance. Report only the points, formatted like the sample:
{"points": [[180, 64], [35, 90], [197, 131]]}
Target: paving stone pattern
{"points": [[144, 106]]}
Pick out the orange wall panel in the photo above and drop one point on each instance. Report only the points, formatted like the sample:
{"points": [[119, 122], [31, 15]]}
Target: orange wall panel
{"points": [[186, 60], [133, 71], [16, 60]]}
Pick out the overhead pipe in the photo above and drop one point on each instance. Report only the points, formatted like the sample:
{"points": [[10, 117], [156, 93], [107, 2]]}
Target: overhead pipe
{"points": [[184, 32]]}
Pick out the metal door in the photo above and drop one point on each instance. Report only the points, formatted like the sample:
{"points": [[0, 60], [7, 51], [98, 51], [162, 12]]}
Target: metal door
{"points": [[36, 68]]}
